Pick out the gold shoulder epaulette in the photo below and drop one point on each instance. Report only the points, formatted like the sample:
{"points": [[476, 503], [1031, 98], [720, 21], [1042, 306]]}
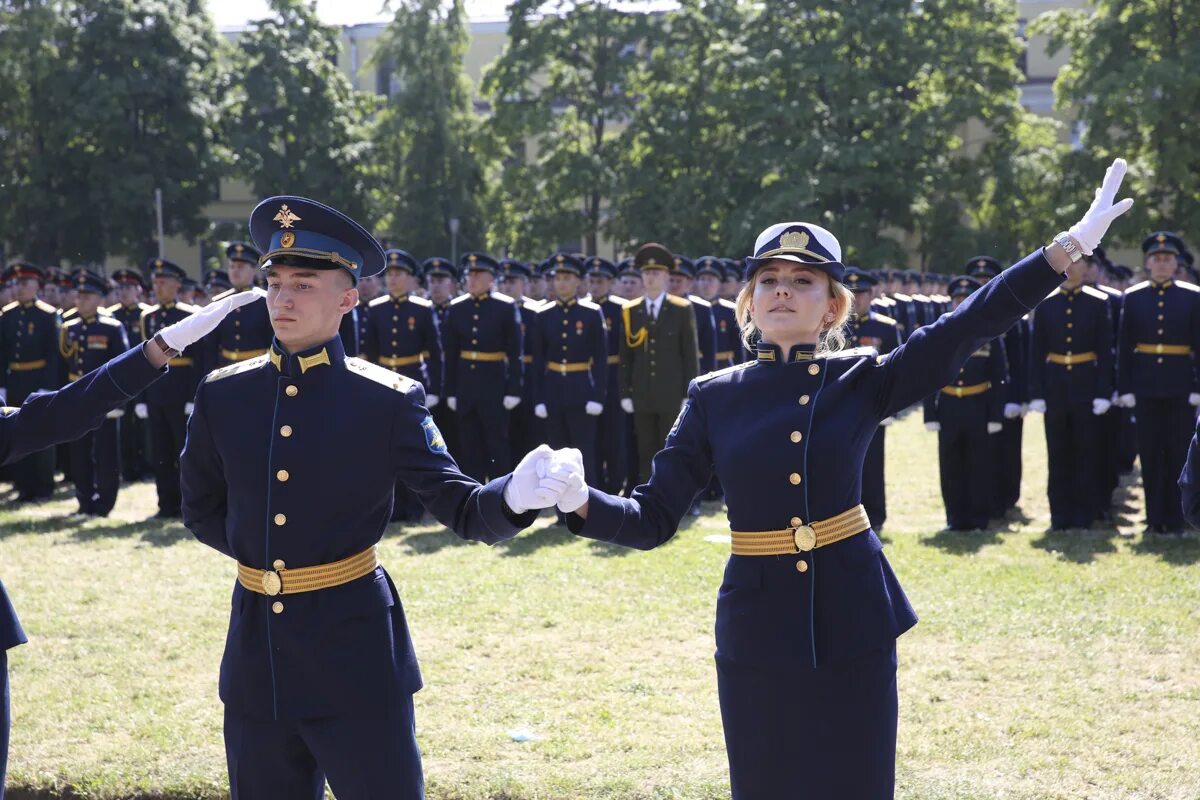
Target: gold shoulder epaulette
{"points": [[187, 308], [885, 319], [44, 306], [678, 301], [503, 298], [69, 313], [1099, 295], [589, 305], [724, 371], [854, 352], [236, 367], [420, 301], [108, 319], [392, 380], [148, 310], [378, 301], [9, 307], [727, 303], [1191, 287], [462, 298], [628, 303], [1137, 287], [223, 294], [696, 299]]}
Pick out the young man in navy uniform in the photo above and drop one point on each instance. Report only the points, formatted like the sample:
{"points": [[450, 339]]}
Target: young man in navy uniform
{"points": [[50, 418], [402, 337], [88, 340], [319, 670], [1156, 376], [441, 281], [525, 428], [481, 341], [966, 416], [612, 457], [679, 284], [168, 402], [131, 288], [867, 328], [710, 276], [1071, 371], [569, 375], [29, 361], [246, 332]]}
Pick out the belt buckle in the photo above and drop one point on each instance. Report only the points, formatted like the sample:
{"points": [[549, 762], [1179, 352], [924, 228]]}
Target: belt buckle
{"points": [[1158, 348], [272, 584], [804, 537]]}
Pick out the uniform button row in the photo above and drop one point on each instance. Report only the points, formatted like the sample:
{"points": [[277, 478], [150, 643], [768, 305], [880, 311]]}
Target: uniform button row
{"points": [[291, 391], [794, 478], [801, 566]]}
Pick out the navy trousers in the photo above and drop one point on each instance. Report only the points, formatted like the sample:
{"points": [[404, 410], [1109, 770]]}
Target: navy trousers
{"points": [[483, 438], [1009, 446], [967, 462], [571, 426], [96, 469], [874, 495], [1164, 430], [611, 439], [824, 734], [363, 758], [1073, 452], [168, 433], [4, 718]]}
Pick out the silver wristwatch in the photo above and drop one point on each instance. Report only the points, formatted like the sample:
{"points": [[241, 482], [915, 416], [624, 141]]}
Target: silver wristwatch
{"points": [[1067, 243]]}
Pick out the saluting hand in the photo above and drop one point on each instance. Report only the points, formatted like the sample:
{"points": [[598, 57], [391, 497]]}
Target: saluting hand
{"points": [[195, 327], [1091, 229]]}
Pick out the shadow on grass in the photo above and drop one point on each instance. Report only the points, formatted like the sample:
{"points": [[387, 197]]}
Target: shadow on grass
{"points": [[1171, 549], [158, 532], [553, 535], [962, 543], [1079, 546]]}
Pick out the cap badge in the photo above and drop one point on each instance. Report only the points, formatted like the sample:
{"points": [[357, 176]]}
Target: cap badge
{"points": [[794, 239], [288, 239], [285, 217]]}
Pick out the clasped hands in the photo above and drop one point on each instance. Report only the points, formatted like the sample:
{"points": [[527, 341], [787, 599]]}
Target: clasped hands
{"points": [[545, 478]]}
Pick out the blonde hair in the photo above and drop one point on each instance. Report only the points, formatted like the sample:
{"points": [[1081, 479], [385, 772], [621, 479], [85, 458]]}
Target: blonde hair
{"points": [[833, 335]]}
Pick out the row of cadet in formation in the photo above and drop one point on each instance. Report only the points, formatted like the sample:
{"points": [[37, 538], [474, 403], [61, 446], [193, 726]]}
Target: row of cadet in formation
{"points": [[583, 352]]}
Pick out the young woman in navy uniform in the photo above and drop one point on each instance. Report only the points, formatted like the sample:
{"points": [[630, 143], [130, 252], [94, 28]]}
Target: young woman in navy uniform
{"points": [[809, 611]]}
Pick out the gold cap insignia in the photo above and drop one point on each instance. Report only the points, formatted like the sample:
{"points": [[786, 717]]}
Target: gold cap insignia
{"points": [[980, 263], [560, 260], [237, 248], [471, 259], [285, 217], [287, 240], [158, 262], [852, 278], [794, 239], [651, 263], [1161, 238]]}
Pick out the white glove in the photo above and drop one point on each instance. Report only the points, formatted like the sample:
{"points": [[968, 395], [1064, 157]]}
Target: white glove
{"points": [[3, 396], [933, 427], [1091, 229], [187, 408], [1038, 405], [530, 486], [594, 409], [883, 423], [540, 411], [194, 327], [141, 411], [567, 465], [431, 400], [1127, 401], [995, 427], [1194, 399], [511, 402], [116, 413], [1012, 410], [452, 403], [627, 405], [1101, 406]]}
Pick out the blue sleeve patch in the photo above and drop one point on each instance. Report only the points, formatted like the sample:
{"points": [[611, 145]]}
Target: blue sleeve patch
{"points": [[433, 437]]}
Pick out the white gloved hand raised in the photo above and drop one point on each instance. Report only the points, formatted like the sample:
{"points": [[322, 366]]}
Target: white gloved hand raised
{"points": [[593, 409], [1012, 410], [1091, 229], [431, 400], [529, 487], [995, 427], [627, 405], [1100, 406], [452, 403], [511, 402], [194, 327], [141, 411], [933, 427], [540, 411], [1038, 405], [1127, 401]]}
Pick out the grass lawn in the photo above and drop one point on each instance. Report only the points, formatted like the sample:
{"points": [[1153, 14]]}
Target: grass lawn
{"points": [[1044, 666]]}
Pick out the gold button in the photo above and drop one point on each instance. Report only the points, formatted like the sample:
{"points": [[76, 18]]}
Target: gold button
{"points": [[813, 369], [280, 519], [1160, 303], [1068, 339], [1160, 330], [393, 330], [796, 436], [804, 399], [801, 566], [285, 431], [277, 607], [291, 391], [794, 478], [796, 522], [1160, 361], [282, 475], [1160, 318], [1070, 324], [1068, 311], [279, 564]]}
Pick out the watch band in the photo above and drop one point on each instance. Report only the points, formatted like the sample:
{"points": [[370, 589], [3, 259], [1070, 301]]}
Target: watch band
{"points": [[1067, 243], [162, 345]]}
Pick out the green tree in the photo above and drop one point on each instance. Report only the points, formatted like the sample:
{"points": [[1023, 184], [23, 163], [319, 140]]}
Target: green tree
{"points": [[558, 91], [105, 101], [1134, 81], [425, 141], [295, 124]]}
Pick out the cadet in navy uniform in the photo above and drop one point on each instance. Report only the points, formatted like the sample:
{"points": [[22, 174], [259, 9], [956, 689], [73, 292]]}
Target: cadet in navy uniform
{"points": [[441, 280], [50, 418], [526, 430], [1156, 376], [29, 361], [135, 448], [88, 340], [245, 333], [481, 341], [867, 328], [1071, 372], [319, 671], [168, 402], [570, 362], [679, 284], [402, 337], [966, 416], [369, 288], [808, 599], [612, 428], [710, 276]]}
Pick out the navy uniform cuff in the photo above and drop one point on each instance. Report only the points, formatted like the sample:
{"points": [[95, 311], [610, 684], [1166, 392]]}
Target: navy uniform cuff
{"points": [[606, 515], [132, 371], [1032, 278]]}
